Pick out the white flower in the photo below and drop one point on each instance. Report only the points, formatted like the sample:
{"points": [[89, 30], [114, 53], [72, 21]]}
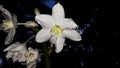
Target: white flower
{"points": [[9, 24], [32, 56], [17, 52], [56, 28], [31, 65]]}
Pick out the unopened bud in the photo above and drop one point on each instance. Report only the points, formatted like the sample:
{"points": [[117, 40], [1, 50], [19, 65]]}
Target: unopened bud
{"points": [[37, 12]]}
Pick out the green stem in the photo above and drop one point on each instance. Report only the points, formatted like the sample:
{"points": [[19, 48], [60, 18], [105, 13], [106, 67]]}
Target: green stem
{"points": [[47, 57]]}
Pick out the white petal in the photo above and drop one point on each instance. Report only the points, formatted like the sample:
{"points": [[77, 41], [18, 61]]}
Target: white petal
{"points": [[9, 54], [12, 46], [10, 36], [43, 35], [72, 34], [19, 48], [22, 59], [59, 44], [5, 12], [31, 65], [58, 11], [53, 40], [46, 21], [14, 20], [68, 24], [16, 56], [1, 26]]}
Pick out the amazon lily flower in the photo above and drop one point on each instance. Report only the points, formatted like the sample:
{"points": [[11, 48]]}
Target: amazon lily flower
{"points": [[19, 52], [32, 56], [9, 24], [16, 51], [56, 28]]}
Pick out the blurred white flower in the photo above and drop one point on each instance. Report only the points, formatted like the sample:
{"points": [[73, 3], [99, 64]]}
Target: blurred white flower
{"points": [[32, 56], [17, 52], [56, 28], [9, 24]]}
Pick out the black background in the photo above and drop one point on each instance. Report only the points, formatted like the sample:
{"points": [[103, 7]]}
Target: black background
{"points": [[99, 25]]}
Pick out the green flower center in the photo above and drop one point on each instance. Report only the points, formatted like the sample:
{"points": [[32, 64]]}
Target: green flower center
{"points": [[7, 24], [30, 55], [57, 30]]}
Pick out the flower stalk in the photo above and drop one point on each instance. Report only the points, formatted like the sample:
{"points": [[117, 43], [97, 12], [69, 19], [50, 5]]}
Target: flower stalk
{"points": [[47, 57]]}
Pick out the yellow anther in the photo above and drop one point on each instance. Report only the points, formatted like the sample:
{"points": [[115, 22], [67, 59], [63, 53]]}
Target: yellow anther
{"points": [[7, 24], [57, 30]]}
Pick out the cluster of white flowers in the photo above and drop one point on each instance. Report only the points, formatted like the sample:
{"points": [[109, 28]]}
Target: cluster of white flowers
{"points": [[19, 52], [55, 28]]}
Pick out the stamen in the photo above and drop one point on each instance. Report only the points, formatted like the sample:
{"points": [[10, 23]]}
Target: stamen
{"points": [[57, 30]]}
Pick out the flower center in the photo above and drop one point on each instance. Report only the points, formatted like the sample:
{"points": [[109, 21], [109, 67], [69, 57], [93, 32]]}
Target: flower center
{"points": [[30, 55], [7, 24], [57, 30]]}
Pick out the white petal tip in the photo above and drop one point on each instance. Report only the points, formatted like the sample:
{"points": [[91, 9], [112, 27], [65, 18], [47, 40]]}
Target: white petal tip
{"points": [[57, 51], [43, 36], [57, 4], [5, 50], [39, 40], [78, 39]]}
